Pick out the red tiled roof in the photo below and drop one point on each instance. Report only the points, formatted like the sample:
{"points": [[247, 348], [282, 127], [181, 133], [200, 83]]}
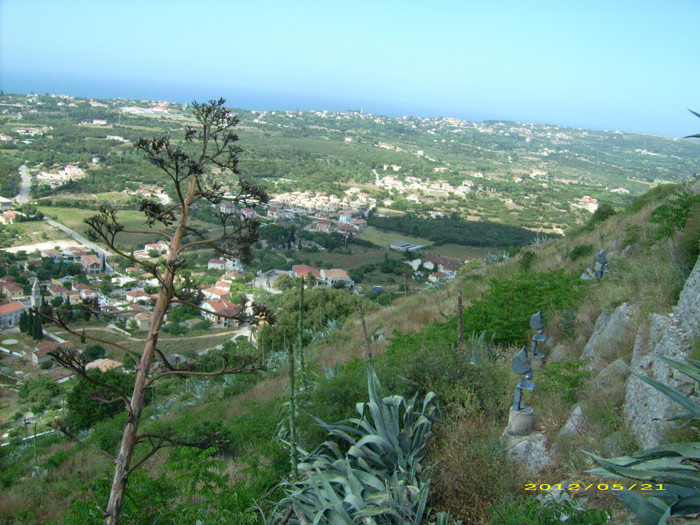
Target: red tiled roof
{"points": [[14, 306], [216, 291], [302, 270], [224, 307]]}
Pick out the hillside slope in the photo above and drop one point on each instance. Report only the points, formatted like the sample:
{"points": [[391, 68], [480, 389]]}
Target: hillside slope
{"points": [[578, 403]]}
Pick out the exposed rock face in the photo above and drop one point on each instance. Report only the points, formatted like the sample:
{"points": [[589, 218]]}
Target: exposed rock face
{"points": [[574, 425], [609, 333], [613, 445], [529, 452], [558, 354], [688, 309], [646, 409], [611, 381], [588, 275]]}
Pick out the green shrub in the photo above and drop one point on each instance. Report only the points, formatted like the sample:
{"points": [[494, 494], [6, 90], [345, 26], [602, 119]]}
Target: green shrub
{"points": [[601, 214], [657, 194], [564, 380], [673, 215], [582, 250], [527, 257], [504, 311], [531, 512]]}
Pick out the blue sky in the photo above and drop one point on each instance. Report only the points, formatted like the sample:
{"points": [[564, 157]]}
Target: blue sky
{"points": [[626, 65]]}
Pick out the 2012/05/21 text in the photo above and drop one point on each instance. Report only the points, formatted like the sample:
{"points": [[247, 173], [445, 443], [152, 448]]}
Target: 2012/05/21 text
{"points": [[594, 486]]}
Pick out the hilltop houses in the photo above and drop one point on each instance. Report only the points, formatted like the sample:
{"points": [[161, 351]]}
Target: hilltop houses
{"points": [[11, 290], [331, 277], [216, 293]]}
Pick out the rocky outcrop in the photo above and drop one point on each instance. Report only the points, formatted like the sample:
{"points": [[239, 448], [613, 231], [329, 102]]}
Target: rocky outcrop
{"points": [[688, 309], [611, 380], [529, 452], [647, 410], [610, 331], [574, 425]]}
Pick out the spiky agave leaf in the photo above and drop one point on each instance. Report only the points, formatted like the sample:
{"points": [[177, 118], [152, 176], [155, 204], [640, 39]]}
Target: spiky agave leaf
{"points": [[380, 480], [677, 465]]}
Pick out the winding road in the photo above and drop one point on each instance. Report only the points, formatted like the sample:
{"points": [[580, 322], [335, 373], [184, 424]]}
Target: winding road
{"points": [[23, 196]]}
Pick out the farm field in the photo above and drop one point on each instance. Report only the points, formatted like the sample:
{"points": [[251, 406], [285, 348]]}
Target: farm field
{"points": [[385, 238], [132, 220]]}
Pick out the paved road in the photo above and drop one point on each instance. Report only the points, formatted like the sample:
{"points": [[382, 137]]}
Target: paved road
{"points": [[23, 195], [101, 252]]}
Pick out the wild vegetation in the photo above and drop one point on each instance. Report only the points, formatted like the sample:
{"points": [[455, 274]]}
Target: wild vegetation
{"points": [[456, 464]]}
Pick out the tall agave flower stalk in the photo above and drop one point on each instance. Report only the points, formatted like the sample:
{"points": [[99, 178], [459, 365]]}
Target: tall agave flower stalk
{"points": [[460, 321], [300, 349], [293, 443]]}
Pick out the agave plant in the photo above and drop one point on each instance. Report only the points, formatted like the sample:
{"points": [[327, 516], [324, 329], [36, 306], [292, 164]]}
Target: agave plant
{"points": [[380, 480], [676, 466]]}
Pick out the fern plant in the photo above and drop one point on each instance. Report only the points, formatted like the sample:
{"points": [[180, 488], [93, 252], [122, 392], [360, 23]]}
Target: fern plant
{"points": [[675, 466], [377, 477]]}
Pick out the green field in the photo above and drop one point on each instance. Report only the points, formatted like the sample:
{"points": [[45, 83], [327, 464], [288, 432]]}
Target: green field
{"points": [[359, 257], [197, 340], [385, 238], [132, 220], [37, 231], [460, 252]]}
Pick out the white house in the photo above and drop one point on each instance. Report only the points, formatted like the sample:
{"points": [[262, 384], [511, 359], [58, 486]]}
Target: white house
{"points": [[330, 277], [216, 293]]}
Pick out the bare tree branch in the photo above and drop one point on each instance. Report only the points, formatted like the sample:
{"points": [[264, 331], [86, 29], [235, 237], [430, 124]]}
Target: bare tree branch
{"points": [[58, 320], [64, 429], [71, 359]]}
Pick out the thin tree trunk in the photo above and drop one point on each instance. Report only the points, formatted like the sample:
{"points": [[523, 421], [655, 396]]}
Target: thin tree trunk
{"points": [[126, 449]]}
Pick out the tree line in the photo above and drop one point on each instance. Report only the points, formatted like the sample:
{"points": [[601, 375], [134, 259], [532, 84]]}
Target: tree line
{"points": [[454, 230]]}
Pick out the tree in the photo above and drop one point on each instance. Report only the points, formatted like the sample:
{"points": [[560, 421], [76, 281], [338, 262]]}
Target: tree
{"points": [[39, 390], [208, 146], [283, 282], [94, 351], [83, 402]]}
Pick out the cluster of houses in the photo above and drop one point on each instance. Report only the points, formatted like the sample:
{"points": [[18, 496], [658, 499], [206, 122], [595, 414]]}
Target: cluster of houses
{"points": [[345, 225], [414, 187], [322, 277], [587, 203], [313, 275], [149, 191], [7, 214], [354, 204], [60, 177]]}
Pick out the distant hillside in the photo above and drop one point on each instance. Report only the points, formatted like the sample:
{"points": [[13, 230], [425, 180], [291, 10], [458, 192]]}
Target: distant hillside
{"points": [[519, 174]]}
